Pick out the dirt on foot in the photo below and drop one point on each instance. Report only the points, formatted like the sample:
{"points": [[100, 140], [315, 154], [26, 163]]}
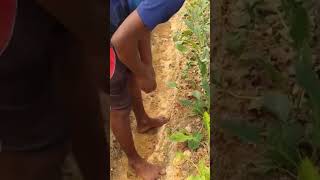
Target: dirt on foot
{"points": [[155, 145], [157, 103]]}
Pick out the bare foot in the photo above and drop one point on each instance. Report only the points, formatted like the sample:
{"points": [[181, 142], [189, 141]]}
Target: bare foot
{"points": [[151, 123], [146, 170]]}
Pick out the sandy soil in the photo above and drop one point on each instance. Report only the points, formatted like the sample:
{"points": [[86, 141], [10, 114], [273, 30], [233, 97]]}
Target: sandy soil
{"points": [[157, 103], [155, 146]]}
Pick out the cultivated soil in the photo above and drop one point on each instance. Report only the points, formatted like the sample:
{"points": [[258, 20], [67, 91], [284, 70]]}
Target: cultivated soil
{"points": [[155, 146]]}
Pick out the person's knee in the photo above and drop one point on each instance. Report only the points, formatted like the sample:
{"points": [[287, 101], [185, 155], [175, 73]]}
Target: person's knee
{"points": [[122, 114]]}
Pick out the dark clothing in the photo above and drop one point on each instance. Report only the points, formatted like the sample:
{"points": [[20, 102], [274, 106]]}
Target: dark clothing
{"points": [[119, 10], [119, 93], [29, 116]]}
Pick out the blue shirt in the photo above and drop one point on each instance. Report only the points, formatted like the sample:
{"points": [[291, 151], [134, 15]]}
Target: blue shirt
{"points": [[151, 12], [154, 12], [133, 4]]}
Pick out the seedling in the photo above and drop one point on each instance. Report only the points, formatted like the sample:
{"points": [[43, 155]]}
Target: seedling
{"points": [[193, 140], [193, 43], [203, 172]]}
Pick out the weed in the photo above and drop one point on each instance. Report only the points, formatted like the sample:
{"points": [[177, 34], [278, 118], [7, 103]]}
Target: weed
{"points": [[193, 140], [203, 172], [194, 43]]}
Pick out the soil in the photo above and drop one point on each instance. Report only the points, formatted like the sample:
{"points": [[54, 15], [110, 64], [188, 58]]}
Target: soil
{"points": [[156, 146], [157, 104], [237, 84]]}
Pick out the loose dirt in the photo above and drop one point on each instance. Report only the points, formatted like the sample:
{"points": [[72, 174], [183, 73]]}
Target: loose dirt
{"points": [[154, 146]]}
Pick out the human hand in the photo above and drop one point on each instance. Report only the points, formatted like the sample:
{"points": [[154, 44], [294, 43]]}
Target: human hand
{"points": [[147, 79]]}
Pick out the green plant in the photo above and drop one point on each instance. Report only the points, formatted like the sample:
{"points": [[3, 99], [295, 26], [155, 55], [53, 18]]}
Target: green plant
{"points": [[281, 139], [193, 43], [206, 122], [199, 104], [203, 172], [308, 171], [193, 140], [289, 144]]}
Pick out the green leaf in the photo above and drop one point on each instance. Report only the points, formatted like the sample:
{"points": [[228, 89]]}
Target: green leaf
{"points": [[185, 102], [196, 94], [181, 47], [206, 121], [205, 85], [203, 68], [180, 137], [198, 107], [283, 140], [278, 104], [187, 33], [194, 142], [172, 84], [204, 171], [308, 79], [244, 131], [308, 171]]}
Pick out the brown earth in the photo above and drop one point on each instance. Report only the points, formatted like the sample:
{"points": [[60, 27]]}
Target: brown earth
{"points": [[156, 146]]}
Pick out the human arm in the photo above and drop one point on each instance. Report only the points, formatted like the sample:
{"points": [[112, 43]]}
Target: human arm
{"points": [[135, 31], [127, 43], [144, 47]]}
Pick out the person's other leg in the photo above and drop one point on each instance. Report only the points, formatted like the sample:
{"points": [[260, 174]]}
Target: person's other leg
{"points": [[120, 124], [144, 122], [121, 102], [38, 165]]}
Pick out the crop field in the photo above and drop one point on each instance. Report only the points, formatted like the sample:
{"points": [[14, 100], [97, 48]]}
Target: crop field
{"points": [[266, 89], [181, 55]]}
